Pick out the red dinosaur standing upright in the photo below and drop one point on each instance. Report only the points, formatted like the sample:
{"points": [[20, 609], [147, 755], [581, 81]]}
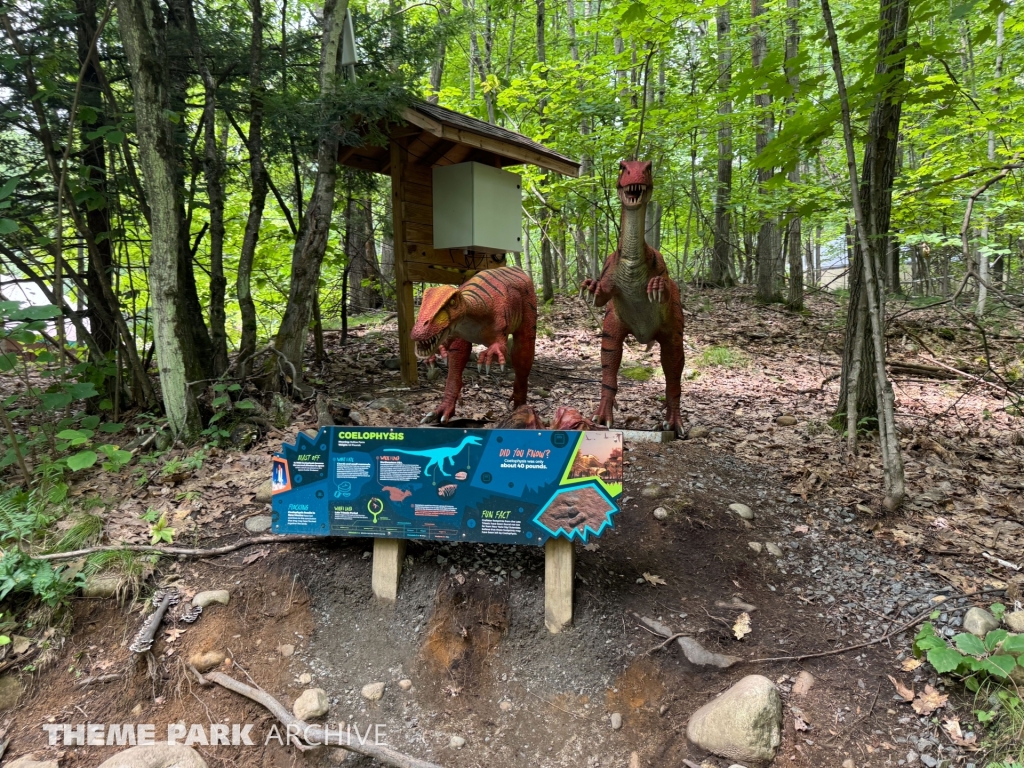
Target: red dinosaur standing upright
{"points": [[486, 309], [644, 300]]}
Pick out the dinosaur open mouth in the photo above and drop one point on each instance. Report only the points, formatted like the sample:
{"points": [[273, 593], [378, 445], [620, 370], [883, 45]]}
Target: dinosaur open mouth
{"points": [[428, 347], [631, 194]]}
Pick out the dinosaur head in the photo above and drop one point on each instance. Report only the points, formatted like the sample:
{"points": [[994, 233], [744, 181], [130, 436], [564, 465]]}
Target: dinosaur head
{"points": [[635, 183], [441, 309]]}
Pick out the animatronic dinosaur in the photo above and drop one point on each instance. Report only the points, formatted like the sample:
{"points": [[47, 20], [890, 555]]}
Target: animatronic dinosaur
{"points": [[644, 299], [438, 456], [483, 310]]}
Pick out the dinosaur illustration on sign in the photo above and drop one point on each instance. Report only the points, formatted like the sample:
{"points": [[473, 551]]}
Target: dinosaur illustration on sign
{"points": [[438, 456]]}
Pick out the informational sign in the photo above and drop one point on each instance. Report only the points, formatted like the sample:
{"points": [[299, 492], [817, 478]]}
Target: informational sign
{"points": [[497, 486]]}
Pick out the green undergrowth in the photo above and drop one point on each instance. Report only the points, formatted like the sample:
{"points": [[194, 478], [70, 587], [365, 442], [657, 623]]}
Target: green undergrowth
{"points": [[638, 373], [992, 668], [721, 357]]}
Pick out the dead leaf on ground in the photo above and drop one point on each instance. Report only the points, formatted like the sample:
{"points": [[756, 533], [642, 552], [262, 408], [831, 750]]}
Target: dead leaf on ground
{"points": [[909, 665], [801, 529], [742, 626], [173, 634], [654, 580], [929, 701], [252, 558], [901, 689], [952, 727], [800, 725]]}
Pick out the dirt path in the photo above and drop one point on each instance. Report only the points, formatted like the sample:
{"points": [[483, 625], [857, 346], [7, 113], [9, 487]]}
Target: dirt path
{"points": [[468, 626]]}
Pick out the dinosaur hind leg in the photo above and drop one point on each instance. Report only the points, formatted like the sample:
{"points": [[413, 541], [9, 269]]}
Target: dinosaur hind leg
{"points": [[613, 335], [672, 361], [524, 342], [458, 355]]}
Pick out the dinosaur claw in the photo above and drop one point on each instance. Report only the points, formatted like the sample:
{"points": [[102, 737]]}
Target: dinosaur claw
{"points": [[430, 418], [502, 367], [487, 369], [444, 419]]}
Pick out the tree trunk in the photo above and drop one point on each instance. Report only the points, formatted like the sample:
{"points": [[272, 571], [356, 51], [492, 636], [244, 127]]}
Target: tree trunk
{"points": [[444, 9], [142, 33], [892, 39], [311, 243], [257, 194], [213, 170], [364, 274], [722, 260], [877, 174], [795, 300], [768, 242]]}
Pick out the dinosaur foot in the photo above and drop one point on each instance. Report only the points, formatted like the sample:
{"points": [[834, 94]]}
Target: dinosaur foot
{"points": [[605, 417], [440, 415]]}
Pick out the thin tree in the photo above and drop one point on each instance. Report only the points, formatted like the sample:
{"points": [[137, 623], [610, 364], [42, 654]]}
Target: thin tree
{"points": [[795, 300], [722, 260], [768, 244], [892, 459]]}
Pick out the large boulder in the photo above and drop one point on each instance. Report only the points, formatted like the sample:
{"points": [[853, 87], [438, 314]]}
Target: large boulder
{"points": [[742, 724], [29, 761], [156, 756]]}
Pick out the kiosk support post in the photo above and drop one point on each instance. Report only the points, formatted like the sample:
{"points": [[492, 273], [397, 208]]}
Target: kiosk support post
{"points": [[559, 573], [388, 555]]}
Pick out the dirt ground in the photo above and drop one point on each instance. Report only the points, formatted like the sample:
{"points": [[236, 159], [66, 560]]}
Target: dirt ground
{"points": [[468, 627]]}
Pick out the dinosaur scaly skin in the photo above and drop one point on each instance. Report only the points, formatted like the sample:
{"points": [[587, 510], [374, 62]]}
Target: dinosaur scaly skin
{"points": [[485, 309], [642, 299]]}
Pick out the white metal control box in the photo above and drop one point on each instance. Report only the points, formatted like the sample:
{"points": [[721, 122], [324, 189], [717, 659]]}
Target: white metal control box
{"points": [[477, 208]]}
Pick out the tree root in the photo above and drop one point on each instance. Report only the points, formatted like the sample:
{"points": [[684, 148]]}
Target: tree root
{"points": [[315, 735], [187, 552]]}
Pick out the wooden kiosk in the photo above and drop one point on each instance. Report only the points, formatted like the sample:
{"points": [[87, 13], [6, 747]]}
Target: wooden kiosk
{"points": [[434, 136]]}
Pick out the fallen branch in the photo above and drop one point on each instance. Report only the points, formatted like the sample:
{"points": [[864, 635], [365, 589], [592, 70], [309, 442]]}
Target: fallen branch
{"points": [[972, 377], [315, 735], [99, 679], [887, 636], [185, 551]]}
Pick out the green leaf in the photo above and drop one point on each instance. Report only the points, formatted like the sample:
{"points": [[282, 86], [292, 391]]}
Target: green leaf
{"points": [[944, 659], [1014, 644], [115, 137], [1001, 666], [69, 434], [997, 610], [82, 460], [9, 186], [90, 422], [54, 401], [244, 405], [969, 644], [41, 312], [7, 226], [994, 638], [111, 427], [7, 362], [634, 12]]}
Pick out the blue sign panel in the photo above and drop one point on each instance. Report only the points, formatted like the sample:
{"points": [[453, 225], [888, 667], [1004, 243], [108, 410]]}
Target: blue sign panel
{"points": [[498, 486]]}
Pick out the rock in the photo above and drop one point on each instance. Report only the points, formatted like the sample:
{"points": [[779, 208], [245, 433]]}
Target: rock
{"points": [[1015, 621], [1015, 590], [10, 691], [310, 433], [457, 742], [661, 513], [281, 410], [392, 404], [652, 491], [204, 662], [312, 703], [392, 363], [208, 598], [742, 510], [804, 683], [356, 418], [373, 691], [696, 433], [505, 706], [29, 761], [979, 622], [930, 761], [848, 763], [305, 678], [744, 723], [156, 756], [405, 685], [286, 650], [258, 523], [634, 760], [786, 421], [616, 721], [20, 644], [264, 494], [755, 545], [101, 585], [773, 549]]}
